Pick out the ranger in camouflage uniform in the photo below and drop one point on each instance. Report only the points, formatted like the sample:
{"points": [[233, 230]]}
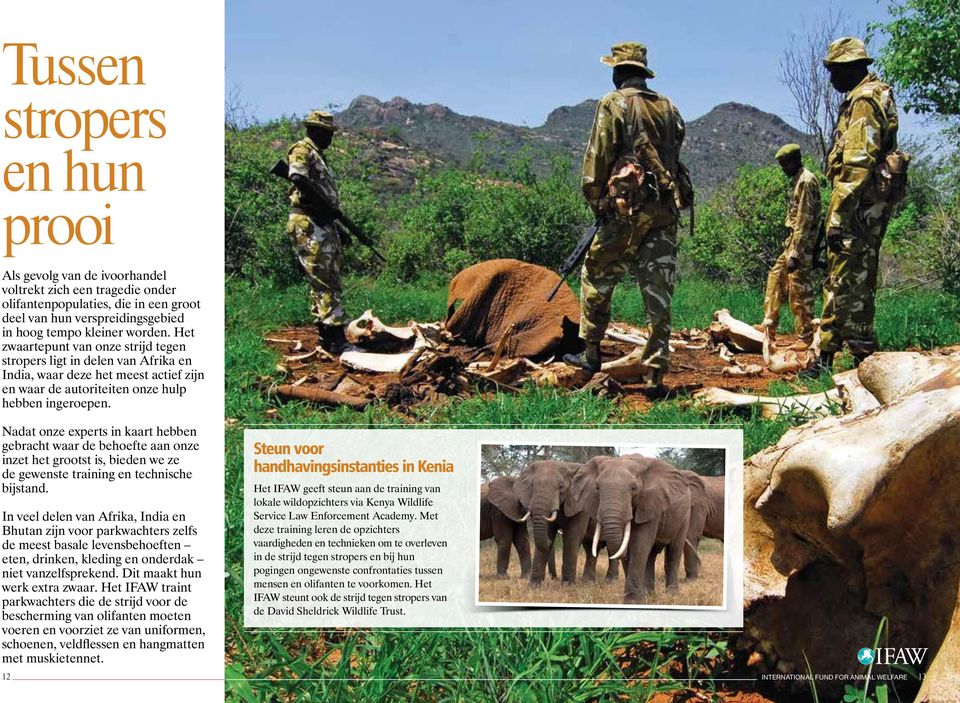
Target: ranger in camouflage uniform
{"points": [[790, 274], [632, 120], [859, 209], [316, 237]]}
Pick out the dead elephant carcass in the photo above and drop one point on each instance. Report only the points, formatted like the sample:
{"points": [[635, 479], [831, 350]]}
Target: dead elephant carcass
{"points": [[484, 300]]}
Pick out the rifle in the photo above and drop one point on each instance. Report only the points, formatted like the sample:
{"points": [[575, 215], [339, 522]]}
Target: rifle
{"points": [[282, 170], [819, 246], [578, 253]]}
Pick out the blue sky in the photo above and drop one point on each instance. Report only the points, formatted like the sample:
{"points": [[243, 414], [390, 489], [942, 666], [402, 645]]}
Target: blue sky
{"points": [[513, 61]]}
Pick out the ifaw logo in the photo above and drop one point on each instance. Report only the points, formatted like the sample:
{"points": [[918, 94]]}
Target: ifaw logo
{"points": [[892, 655]]}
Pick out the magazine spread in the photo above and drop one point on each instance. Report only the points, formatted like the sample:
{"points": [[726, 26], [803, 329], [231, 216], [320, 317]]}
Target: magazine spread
{"points": [[549, 352]]}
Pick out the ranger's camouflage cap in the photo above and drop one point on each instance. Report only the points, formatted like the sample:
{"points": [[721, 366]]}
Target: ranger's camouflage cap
{"points": [[846, 50], [319, 118], [788, 150], [629, 53]]}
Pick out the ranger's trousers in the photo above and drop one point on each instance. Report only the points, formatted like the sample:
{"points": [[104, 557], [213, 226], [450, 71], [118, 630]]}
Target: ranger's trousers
{"points": [[646, 245], [795, 287], [319, 252], [850, 289]]}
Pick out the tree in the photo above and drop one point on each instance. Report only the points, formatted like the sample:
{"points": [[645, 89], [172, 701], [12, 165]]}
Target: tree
{"points": [[803, 74], [704, 461], [510, 459], [921, 57]]}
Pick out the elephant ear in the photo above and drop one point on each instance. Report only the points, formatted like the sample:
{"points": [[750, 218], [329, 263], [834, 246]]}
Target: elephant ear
{"points": [[698, 487], [583, 496], [523, 487], [501, 495], [661, 487]]}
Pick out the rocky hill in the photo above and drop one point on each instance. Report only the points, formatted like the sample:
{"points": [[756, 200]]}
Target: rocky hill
{"points": [[719, 142]]}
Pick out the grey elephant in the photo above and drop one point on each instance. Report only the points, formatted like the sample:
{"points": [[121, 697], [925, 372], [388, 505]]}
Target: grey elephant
{"points": [[642, 506], [502, 517], [706, 516], [543, 488]]}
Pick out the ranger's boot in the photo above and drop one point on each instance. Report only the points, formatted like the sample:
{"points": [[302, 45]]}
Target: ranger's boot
{"points": [[653, 379], [824, 363], [332, 339], [588, 359]]}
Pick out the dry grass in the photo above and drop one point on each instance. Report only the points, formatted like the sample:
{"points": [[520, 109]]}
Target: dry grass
{"points": [[706, 590]]}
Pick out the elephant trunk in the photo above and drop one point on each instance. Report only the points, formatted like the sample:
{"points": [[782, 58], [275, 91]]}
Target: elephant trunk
{"points": [[615, 533], [540, 537], [614, 515]]}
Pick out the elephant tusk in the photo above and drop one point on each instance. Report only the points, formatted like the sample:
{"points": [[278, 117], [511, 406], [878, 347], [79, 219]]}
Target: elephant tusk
{"points": [[623, 545], [553, 517], [525, 517], [596, 539]]}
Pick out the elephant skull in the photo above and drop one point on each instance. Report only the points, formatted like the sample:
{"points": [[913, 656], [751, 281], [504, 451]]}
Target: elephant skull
{"points": [[853, 518]]}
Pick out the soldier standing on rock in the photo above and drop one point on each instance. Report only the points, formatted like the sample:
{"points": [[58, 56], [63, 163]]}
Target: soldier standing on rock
{"points": [[868, 175], [790, 274], [316, 237], [629, 179]]}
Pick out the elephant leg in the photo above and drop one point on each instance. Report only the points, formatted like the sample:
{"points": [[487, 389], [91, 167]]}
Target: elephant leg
{"points": [[589, 565], [571, 552], [521, 542], [691, 560], [672, 561], [503, 535], [545, 537], [650, 570], [503, 559], [613, 571], [573, 538], [641, 545], [552, 563]]}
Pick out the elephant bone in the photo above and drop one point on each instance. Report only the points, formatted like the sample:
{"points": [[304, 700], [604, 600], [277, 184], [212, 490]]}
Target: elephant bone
{"points": [[727, 329], [626, 369], [368, 332], [377, 362], [813, 404], [787, 361], [892, 375], [835, 540]]}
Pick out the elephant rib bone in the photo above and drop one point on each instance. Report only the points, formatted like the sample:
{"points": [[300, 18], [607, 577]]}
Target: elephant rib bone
{"points": [[814, 404], [626, 541]]}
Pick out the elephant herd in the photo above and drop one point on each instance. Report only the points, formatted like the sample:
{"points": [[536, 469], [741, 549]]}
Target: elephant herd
{"points": [[634, 506]]}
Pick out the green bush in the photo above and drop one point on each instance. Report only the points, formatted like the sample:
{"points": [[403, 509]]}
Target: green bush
{"points": [[458, 218], [739, 233], [255, 203]]}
